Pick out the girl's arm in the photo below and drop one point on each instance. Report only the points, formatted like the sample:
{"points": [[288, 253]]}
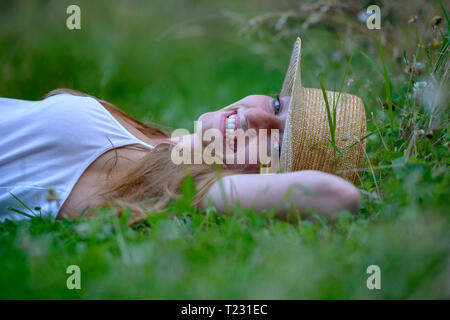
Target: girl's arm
{"points": [[324, 193]]}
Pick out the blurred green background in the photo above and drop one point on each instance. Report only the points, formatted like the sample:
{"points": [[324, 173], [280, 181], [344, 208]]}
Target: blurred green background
{"points": [[169, 62], [164, 61]]}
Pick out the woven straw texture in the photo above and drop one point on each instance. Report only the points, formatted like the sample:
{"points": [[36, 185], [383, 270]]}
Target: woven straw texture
{"points": [[306, 140]]}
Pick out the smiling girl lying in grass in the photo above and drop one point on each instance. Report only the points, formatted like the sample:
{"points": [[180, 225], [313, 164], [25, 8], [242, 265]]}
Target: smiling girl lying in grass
{"points": [[72, 151]]}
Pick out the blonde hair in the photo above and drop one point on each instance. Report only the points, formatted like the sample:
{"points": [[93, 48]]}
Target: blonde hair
{"points": [[154, 177]]}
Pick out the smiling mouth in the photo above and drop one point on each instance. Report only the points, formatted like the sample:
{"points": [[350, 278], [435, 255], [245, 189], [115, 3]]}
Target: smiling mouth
{"points": [[230, 131]]}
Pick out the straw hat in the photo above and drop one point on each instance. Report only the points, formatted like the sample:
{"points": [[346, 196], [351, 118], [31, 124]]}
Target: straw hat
{"points": [[306, 141]]}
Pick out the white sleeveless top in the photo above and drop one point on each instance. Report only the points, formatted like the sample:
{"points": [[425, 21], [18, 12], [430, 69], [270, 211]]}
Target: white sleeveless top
{"points": [[45, 146]]}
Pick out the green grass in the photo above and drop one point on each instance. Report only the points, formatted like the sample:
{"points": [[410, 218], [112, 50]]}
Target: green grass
{"points": [[171, 61]]}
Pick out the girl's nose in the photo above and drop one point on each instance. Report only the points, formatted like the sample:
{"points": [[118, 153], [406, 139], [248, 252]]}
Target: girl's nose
{"points": [[261, 119]]}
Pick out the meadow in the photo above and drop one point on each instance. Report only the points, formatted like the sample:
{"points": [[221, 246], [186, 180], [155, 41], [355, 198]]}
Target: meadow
{"points": [[170, 61]]}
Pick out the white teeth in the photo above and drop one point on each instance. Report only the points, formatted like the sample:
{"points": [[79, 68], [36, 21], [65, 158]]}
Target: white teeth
{"points": [[230, 122], [230, 137], [230, 125]]}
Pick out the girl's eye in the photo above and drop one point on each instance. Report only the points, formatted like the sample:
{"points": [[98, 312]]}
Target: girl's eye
{"points": [[277, 105]]}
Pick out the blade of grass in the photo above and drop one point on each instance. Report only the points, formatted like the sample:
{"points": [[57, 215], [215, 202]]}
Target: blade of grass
{"points": [[372, 62], [345, 76], [21, 212], [331, 123], [379, 131], [339, 96], [22, 203], [388, 89], [445, 15], [442, 56], [443, 52], [332, 115], [330, 119]]}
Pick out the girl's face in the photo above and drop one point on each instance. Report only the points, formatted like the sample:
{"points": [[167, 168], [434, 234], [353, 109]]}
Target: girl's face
{"points": [[241, 126]]}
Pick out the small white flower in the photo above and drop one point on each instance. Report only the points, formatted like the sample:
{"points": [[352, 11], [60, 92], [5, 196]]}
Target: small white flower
{"points": [[362, 16], [419, 88], [420, 85]]}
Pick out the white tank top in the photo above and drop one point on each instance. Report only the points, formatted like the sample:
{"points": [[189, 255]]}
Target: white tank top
{"points": [[45, 146]]}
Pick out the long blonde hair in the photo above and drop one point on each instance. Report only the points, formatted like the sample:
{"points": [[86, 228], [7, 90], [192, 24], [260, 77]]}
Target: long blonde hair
{"points": [[154, 177]]}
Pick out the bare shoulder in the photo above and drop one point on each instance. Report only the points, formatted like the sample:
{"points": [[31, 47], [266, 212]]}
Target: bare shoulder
{"points": [[89, 187]]}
